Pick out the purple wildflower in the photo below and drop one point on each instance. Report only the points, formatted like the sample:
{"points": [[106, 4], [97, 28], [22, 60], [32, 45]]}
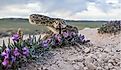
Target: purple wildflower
{"points": [[73, 33], [3, 53], [5, 62], [48, 40], [81, 38], [7, 50], [15, 37], [16, 52], [7, 56], [59, 39], [65, 34], [45, 43], [25, 51], [12, 59], [69, 33], [56, 35]]}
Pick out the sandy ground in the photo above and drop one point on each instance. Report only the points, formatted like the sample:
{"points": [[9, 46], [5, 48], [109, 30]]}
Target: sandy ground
{"points": [[99, 39], [104, 53]]}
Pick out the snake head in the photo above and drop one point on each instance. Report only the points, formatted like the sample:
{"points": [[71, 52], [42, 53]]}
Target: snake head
{"points": [[33, 18], [42, 20], [37, 19]]}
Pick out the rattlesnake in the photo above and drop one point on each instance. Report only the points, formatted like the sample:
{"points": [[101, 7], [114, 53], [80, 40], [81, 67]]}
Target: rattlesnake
{"points": [[56, 25]]}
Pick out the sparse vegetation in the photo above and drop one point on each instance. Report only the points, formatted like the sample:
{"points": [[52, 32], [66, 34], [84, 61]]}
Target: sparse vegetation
{"points": [[21, 51], [110, 27]]}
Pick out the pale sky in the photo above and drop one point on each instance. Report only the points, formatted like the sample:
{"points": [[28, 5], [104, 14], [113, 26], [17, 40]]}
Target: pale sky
{"points": [[66, 9]]}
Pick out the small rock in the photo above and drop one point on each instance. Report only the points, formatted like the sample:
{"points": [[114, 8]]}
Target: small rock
{"points": [[53, 67], [114, 69], [44, 68], [99, 68], [113, 50], [85, 68], [110, 65], [89, 59], [110, 61], [65, 66], [103, 55], [77, 58], [87, 50], [90, 66], [80, 64], [107, 49], [111, 53], [106, 67], [76, 66]]}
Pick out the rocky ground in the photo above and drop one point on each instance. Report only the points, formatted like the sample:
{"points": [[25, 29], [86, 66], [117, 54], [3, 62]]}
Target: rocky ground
{"points": [[103, 53]]}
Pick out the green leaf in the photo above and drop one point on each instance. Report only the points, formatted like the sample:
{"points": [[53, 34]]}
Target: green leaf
{"points": [[4, 46]]}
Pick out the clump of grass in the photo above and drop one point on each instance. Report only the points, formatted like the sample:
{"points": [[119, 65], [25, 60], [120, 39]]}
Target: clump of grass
{"points": [[16, 54], [111, 27]]}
